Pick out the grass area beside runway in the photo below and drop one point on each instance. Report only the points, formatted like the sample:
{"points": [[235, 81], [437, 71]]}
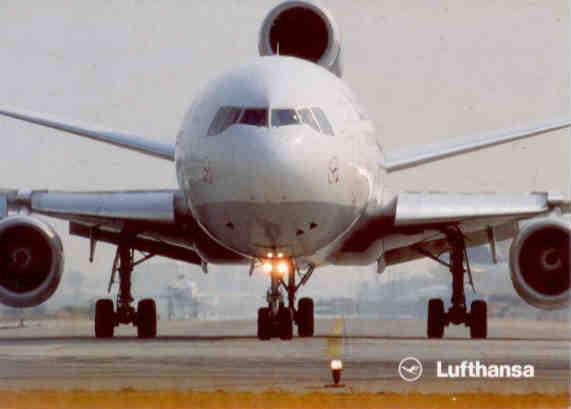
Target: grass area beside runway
{"points": [[272, 399]]}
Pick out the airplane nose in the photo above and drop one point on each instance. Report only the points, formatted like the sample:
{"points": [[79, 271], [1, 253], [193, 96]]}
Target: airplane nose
{"points": [[277, 189], [278, 165]]}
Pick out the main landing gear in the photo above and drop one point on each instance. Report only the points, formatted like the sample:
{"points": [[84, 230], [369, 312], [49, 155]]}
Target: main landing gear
{"points": [[438, 318], [107, 317], [277, 319]]}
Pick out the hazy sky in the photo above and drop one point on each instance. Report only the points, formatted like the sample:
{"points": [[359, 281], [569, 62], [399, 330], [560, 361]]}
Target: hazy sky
{"points": [[425, 69]]}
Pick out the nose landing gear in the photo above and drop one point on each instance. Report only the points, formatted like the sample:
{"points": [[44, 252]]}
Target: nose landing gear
{"points": [[458, 314], [277, 319]]}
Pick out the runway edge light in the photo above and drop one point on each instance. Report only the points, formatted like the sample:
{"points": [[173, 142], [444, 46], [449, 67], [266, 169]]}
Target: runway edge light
{"points": [[336, 369]]}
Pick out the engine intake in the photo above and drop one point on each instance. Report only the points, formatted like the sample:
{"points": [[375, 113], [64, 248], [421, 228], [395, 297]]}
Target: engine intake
{"points": [[31, 261], [302, 29], [539, 263]]}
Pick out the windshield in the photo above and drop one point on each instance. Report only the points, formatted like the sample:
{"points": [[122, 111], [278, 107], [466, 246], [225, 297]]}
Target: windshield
{"points": [[307, 118], [227, 116], [282, 117], [254, 116], [322, 120], [314, 117]]}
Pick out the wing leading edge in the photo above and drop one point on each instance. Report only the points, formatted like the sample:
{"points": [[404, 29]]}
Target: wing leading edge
{"points": [[419, 155], [124, 140]]}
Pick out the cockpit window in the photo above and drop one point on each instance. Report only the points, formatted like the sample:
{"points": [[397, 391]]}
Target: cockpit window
{"points": [[228, 116], [254, 116], [225, 117], [307, 118], [282, 117], [322, 120], [314, 117]]}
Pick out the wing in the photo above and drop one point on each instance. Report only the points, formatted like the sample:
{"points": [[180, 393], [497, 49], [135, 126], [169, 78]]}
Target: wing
{"points": [[418, 155], [411, 226], [483, 218], [124, 140], [157, 220]]}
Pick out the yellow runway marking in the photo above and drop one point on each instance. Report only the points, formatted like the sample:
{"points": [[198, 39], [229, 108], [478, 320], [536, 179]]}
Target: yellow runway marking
{"points": [[273, 399], [335, 345]]}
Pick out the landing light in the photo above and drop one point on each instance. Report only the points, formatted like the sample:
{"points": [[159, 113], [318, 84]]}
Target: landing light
{"points": [[267, 267], [283, 267], [270, 255]]}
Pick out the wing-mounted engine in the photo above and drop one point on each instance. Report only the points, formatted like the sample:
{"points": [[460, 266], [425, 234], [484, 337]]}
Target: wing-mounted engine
{"points": [[31, 261], [540, 264], [303, 29]]}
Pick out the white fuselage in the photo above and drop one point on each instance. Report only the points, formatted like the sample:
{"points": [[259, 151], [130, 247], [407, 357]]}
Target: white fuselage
{"points": [[277, 184]]}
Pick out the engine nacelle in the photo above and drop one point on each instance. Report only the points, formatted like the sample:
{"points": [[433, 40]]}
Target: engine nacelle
{"points": [[303, 29], [539, 263], [31, 261]]}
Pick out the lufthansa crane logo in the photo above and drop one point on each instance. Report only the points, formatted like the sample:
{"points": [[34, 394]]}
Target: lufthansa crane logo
{"points": [[206, 173], [333, 176], [410, 369]]}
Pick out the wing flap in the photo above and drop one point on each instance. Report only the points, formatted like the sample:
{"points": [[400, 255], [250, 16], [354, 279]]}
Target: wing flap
{"points": [[124, 140]]}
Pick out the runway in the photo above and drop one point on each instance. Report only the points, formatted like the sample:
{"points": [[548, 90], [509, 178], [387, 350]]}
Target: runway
{"points": [[225, 355]]}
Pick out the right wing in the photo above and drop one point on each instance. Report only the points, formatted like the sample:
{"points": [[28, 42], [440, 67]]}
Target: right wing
{"points": [[157, 221], [124, 140]]}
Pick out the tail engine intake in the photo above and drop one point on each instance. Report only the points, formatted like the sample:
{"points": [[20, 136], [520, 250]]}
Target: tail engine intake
{"points": [[302, 29]]}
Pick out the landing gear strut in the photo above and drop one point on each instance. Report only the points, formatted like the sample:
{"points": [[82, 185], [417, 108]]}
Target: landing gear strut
{"points": [[277, 319], [438, 318], [144, 317]]}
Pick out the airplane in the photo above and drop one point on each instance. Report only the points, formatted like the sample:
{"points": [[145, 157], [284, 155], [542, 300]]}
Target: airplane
{"points": [[279, 167]]}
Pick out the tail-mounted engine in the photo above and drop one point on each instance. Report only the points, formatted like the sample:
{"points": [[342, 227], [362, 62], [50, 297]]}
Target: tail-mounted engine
{"points": [[31, 261], [303, 29], [539, 263]]}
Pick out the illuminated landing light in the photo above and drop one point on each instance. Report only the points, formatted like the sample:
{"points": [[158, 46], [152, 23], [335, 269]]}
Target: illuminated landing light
{"points": [[270, 255], [283, 267], [267, 267], [336, 369]]}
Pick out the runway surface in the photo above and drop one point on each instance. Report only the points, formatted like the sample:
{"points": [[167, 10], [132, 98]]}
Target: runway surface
{"points": [[225, 355]]}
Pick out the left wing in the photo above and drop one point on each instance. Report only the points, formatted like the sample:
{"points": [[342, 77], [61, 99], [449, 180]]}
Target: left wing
{"points": [[482, 218], [121, 139], [411, 225], [418, 155]]}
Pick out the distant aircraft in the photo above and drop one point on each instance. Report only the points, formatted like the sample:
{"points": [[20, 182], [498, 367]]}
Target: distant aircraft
{"points": [[182, 296], [279, 166]]}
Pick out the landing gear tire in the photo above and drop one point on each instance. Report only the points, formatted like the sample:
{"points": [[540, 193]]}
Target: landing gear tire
{"points": [[305, 317], [285, 323], [264, 324], [146, 319], [104, 318], [436, 318], [478, 320]]}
